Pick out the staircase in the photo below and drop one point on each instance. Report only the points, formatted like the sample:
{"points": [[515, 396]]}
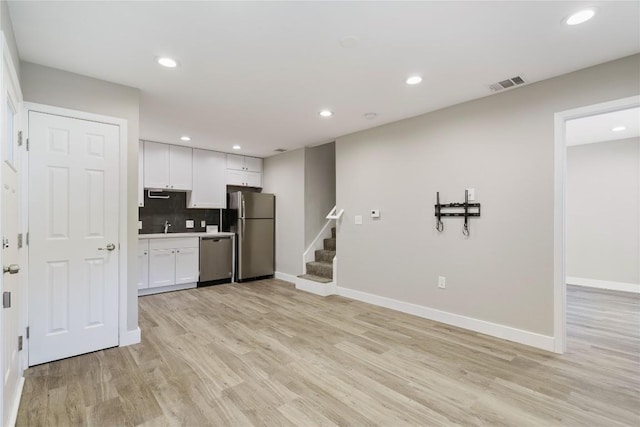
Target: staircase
{"points": [[321, 270]]}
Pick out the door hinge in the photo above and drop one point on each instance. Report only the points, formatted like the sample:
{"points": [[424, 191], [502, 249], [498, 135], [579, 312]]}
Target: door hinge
{"points": [[6, 300], [28, 331], [20, 343], [27, 239], [19, 138], [27, 144], [19, 240]]}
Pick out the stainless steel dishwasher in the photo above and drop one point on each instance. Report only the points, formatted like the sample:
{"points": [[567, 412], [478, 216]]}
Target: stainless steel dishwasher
{"points": [[216, 260]]}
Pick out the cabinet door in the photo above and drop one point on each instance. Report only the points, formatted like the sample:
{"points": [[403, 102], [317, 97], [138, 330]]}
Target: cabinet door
{"points": [[253, 164], [187, 263], [235, 177], [209, 180], [143, 269], [156, 165], [180, 167], [162, 267], [253, 179], [140, 174], [235, 162]]}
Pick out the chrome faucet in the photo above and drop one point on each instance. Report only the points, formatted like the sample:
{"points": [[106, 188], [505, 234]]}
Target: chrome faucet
{"points": [[166, 227]]}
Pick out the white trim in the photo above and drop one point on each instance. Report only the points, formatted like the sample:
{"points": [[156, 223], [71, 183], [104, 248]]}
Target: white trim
{"points": [[130, 337], [122, 227], [322, 289], [286, 277], [170, 288], [532, 339], [604, 284], [559, 217], [16, 403]]}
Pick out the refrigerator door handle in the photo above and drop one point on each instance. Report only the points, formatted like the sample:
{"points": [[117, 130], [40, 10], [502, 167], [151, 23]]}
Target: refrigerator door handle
{"points": [[243, 209]]}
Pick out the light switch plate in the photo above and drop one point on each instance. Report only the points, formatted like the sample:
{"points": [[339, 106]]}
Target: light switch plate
{"points": [[203, 223], [358, 219], [189, 223], [139, 225], [472, 194]]}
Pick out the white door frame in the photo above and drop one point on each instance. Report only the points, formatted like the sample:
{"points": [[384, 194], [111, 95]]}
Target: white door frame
{"points": [[123, 337], [559, 209]]}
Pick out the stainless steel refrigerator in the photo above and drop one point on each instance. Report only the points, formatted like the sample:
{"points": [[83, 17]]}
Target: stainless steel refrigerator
{"points": [[254, 224]]}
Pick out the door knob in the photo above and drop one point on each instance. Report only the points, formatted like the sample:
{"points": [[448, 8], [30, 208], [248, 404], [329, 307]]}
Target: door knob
{"points": [[109, 247], [12, 269]]}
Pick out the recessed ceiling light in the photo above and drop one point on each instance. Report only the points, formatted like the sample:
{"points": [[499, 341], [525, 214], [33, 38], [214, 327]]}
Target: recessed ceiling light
{"points": [[618, 128], [413, 80], [167, 62], [236, 147], [370, 116], [185, 138], [580, 17], [326, 113]]}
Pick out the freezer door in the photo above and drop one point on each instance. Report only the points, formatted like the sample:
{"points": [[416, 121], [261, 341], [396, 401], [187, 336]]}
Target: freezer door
{"points": [[255, 248], [257, 205]]}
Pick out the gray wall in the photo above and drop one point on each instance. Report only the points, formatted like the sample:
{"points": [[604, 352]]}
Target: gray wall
{"points": [[284, 177], [319, 188], [7, 28], [501, 145], [63, 89], [603, 211]]}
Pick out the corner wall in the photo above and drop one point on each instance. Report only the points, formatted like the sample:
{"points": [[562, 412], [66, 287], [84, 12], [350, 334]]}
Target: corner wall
{"points": [[284, 177], [603, 211], [501, 145], [319, 188], [59, 88]]}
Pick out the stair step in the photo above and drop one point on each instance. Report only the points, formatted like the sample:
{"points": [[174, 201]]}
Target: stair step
{"points": [[323, 255], [315, 278], [322, 269], [333, 232], [330, 244]]}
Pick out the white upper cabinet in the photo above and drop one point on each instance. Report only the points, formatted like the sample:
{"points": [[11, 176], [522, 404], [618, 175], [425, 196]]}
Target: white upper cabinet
{"points": [[209, 189], [244, 171], [156, 165], [243, 163], [140, 174], [167, 166], [180, 168]]}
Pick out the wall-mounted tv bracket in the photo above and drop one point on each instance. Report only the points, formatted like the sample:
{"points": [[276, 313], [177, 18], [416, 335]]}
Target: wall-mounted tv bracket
{"points": [[470, 209]]}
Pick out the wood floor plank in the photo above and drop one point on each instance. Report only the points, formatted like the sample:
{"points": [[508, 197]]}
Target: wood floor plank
{"points": [[263, 353]]}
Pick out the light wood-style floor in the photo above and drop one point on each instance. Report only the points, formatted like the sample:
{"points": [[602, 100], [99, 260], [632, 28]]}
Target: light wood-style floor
{"points": [[262, 353]]}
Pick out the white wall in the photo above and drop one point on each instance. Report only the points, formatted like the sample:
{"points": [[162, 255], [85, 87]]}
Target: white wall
{"points": [[319, 188], [284, 177], [503, 146], [603, 211], [63, 89], [7, 28]]}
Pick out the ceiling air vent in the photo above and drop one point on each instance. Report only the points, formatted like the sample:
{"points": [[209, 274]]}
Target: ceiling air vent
{"points": [[506, 84], [279, 150]]}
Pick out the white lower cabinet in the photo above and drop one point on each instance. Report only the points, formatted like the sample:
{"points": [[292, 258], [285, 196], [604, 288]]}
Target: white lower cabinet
{"points": [[172, 262], [143, 264]]}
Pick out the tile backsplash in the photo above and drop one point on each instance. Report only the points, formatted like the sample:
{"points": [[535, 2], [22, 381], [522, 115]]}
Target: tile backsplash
{"points": [[156, 211]]}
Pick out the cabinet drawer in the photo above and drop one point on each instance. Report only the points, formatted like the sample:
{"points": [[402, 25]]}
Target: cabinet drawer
{"points": [[174, 243]]}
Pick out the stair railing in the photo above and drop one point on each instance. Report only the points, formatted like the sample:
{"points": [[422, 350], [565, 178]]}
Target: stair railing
{"points": [[317, 243]]}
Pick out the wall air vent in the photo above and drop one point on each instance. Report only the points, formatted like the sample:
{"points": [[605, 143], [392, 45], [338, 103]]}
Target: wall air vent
{"points": [[279, 150], [506, 84]]}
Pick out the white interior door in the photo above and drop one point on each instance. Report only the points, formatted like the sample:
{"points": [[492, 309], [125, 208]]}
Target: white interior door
{"points": [[73, 226], [10, 251]]}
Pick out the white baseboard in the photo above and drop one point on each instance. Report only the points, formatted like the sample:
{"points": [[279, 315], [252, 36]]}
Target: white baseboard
{"points": [[532, 339], [322, 289], [284, 276], [130, 337], [604, 284], [170, 288], [15, 405]]}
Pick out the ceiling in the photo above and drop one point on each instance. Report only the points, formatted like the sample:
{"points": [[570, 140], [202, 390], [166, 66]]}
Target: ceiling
{"points": [[257, 73], [599, 128]]}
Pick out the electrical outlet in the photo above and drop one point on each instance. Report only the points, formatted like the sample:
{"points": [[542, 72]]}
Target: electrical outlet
{"points": [[442, 282], [203, 223], [139, 225], [471, 193], [189, 223]]}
